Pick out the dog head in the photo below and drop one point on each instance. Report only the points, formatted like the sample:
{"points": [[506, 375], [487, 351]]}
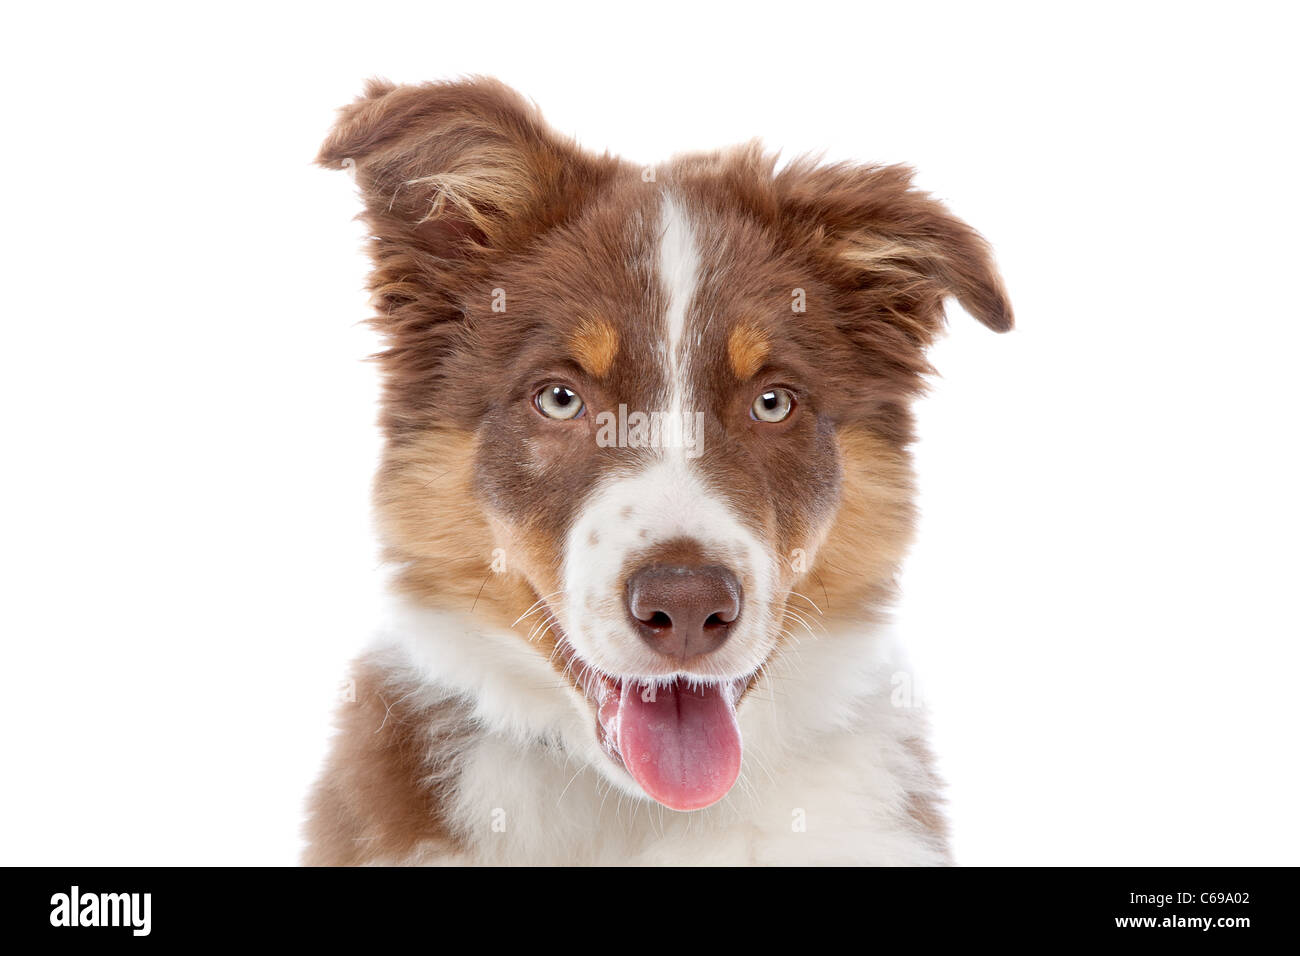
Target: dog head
{"points": [[642, 415]]}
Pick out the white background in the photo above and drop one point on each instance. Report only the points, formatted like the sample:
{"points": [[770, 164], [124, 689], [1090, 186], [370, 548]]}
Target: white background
{"points": [[1102, 599]]}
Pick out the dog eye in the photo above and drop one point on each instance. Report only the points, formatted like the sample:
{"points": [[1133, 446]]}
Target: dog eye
{"points": [[774, 405], [558, 402]]}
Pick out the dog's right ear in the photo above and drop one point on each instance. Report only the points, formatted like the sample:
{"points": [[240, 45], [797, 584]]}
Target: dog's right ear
{"points": [[460, 168]]}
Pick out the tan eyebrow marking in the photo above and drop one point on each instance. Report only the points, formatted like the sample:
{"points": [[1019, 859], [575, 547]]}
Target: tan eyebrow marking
{"points": [[595, 346], [747, 347]]}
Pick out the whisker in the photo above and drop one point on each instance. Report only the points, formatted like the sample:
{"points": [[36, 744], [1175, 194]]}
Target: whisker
{"points": [[808, 599], [537, 605]]}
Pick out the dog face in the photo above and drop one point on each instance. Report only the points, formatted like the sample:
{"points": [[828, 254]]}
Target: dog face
{"points": [[639, 414]]}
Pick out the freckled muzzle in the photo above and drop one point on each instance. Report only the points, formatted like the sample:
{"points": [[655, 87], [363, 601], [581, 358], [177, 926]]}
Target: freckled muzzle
{"points": [[666, 623]]}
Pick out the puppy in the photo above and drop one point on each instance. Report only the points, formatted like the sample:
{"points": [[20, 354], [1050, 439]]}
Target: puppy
{"points": [[645, 489]]}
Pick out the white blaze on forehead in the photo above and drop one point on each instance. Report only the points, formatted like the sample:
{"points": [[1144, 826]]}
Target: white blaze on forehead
{"points": [[661, 498], [679, 269]]}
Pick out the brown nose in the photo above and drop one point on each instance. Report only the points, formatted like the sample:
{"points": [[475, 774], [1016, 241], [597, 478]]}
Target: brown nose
{"points": [[683, 611]]}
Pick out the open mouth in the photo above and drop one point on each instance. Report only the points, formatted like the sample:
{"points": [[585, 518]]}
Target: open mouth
{"points": [[678, 738]]}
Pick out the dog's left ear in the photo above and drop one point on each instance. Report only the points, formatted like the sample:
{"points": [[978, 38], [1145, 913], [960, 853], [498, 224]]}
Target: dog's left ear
{"points": [[901, 250]]}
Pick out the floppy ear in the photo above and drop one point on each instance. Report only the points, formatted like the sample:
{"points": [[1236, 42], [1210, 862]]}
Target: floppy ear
{"points": [[900, 249], [457, 168], [453, 175]]}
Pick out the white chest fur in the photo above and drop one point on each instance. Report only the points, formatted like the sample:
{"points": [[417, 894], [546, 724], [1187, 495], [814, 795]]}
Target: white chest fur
{"points": [[832, 769]]}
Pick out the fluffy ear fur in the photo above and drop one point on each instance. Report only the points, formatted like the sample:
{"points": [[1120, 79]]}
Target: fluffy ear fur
{"points": [[458, 167], [453, 175], [902, 248]]}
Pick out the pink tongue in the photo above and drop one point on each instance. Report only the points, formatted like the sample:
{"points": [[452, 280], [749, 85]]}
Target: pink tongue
{"points": [[683, 747]]}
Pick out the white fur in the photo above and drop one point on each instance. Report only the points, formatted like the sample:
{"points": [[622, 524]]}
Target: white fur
{"points": [[826, 768], [822, 743], [678, 269]]}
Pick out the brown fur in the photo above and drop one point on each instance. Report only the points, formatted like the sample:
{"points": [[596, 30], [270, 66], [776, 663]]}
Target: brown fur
{"points": [[854, 568], [923, 803], [469, 197], [595, 345], [747, 347], [394, 759]]}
